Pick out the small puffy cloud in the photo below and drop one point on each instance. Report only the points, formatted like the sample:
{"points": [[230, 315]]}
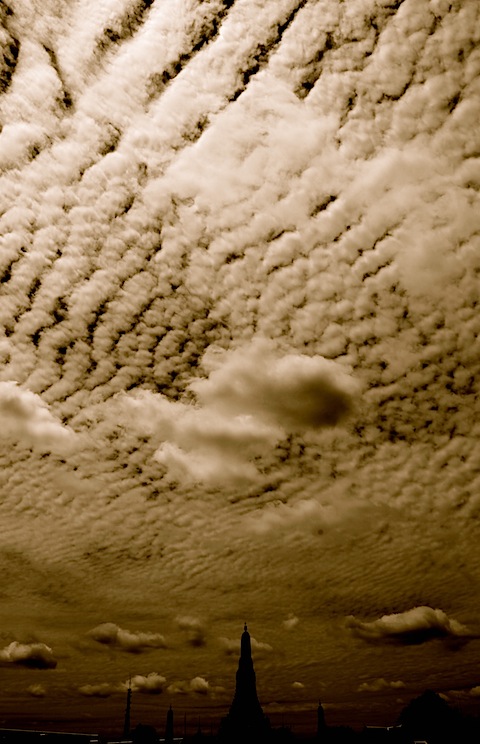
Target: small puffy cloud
{"points": [[37, 691], [377, 685], [197, 685], [464, 694], [134, 642], [31, 655], [291, 622], [298, 685], [259, 648], [151, 684], [230, 646], [193, 629], [24, 415], [294, 391], [200, 686], [101, 690], [413, 627]]}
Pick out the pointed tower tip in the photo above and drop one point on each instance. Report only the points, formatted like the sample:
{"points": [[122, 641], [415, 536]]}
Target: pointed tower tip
{"points": [[245, 627]]}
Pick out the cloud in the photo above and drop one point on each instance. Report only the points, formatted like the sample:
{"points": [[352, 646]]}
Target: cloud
{"points": [[413, 627], [308, 513], [199, 444], [31, 655], [253, 397], [101, 690], [259, 648], [291, 622], [38, 691], [24, 415], [151, 684], [379, 684], [200, 686], [295, 391], [134, 642], [231, 647], [232, 230], [194, 630], [197, 685], [298, 685]]}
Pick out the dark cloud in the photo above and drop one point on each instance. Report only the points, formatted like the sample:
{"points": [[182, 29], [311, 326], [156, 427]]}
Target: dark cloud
{"points": [[194, 630], [101, 690], [31, 655], [135, 642], [294, 391], [413, 627]]}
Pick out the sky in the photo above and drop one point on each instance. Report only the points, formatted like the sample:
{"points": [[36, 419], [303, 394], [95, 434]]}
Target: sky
{"points": [[240, 357]]}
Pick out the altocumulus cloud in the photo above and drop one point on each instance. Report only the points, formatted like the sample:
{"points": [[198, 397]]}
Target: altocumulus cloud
{"points": [[25, 416], [415, 626], [136, 642], [31, 655]]}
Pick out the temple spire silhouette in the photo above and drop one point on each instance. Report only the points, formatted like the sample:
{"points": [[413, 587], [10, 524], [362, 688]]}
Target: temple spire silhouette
{"points": [[169, 727], [321, 724], [126, 723], [245, 720]]}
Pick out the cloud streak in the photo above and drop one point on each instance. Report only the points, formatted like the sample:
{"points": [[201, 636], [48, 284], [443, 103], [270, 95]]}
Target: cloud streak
{"points": [[132, 642]]}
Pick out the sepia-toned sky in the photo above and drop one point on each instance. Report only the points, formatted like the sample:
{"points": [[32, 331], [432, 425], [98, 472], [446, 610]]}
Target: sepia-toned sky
{"points": [[240, 357]]}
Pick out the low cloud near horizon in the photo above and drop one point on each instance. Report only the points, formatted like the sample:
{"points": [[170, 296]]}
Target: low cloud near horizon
{"points": [[413, 627]]}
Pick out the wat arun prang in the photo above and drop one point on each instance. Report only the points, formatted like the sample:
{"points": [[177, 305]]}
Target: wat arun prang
{"points": [[246, 721]]}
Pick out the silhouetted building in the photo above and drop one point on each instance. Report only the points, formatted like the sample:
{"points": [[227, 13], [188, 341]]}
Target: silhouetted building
{"points": [[143, 734], [430, 718], [169, 727], [321, 725], [126, 723], [245, 721]]}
